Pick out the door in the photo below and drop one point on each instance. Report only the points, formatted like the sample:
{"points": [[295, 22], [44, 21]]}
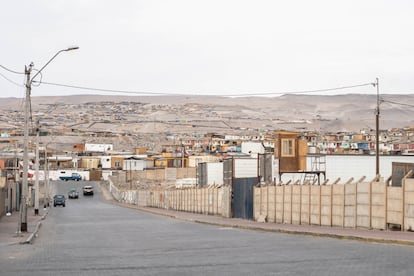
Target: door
{"points": [[242, 197]]}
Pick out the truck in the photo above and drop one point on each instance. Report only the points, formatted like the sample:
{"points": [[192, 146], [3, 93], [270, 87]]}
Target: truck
{"points": [[73, 176]]}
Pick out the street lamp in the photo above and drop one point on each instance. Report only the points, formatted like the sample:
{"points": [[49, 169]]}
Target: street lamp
{"points": [[23, 203]]}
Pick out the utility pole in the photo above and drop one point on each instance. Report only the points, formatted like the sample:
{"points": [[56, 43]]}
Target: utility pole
{"points": [[46, 173], [377, 114], [182, 155], [22, 225], [25, 188], [37, 192]]}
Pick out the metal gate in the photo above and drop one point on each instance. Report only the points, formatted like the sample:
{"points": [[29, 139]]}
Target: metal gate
{"points": [[242, 197]]}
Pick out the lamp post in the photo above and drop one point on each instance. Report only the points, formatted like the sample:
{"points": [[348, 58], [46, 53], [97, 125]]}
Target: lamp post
{"points": [[29, 81]]}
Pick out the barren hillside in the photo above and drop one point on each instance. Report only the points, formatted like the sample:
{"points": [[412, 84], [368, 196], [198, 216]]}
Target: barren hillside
{"points": [[350, 112]]}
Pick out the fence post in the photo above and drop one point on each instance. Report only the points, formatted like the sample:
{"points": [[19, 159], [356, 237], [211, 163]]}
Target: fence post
{"points": [[343, 210], [300, 205], [386, 203], [370, 205], [331, 219], [403, 205], [283, 203], [267, 198], [320, 205]]}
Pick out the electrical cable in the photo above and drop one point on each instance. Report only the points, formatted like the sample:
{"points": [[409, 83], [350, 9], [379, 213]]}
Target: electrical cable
{"points": [[9, 80], [10, 70], [392, 102], [224, 95]]}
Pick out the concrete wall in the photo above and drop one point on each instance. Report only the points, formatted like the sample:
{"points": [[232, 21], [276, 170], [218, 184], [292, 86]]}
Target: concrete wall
{"points": [[209, 200], [369, 205], [408, 207], [3, 196]]}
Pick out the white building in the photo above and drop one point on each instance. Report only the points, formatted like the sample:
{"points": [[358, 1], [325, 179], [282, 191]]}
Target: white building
{"points": [[98, 147], [252, 148], [134, 164]]}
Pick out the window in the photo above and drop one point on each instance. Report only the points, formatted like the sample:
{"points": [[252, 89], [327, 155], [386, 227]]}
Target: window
{"points": [[288, 147], [117, 164]]}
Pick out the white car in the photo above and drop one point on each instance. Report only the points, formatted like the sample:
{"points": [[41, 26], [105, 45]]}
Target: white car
{"points": [[87, 190]]}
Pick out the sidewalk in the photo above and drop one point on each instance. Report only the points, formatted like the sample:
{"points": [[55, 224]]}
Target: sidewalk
{"points": [[9, 227]]}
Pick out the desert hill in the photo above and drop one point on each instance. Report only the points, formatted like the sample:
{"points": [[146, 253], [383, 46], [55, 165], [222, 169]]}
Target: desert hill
{"points": [[350, 112]]}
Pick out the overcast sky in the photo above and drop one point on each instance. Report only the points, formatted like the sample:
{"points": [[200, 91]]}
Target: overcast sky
{"points": [[213, 47]]}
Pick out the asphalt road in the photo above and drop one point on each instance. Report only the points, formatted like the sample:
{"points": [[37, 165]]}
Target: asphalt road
{"points": [[93, 237]]}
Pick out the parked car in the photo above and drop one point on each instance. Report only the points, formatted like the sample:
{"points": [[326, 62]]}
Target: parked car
{"points": [[73, 194], [73, 176], [87, 190], [59, 200]]}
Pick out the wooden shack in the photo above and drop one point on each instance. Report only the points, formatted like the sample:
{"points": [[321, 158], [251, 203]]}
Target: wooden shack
{"points": [[290, 151]]}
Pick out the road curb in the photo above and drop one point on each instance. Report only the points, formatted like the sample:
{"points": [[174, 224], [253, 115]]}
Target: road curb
{"points": [[33, 235], [313, 234], [338, 236]]}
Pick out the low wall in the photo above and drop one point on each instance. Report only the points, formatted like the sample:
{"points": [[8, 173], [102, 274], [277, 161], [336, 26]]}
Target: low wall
{"points": [[208, 200], [3, 196], [370, 205]]}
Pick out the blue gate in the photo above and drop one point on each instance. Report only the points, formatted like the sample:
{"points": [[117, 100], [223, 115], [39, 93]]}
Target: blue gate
{"points": [[242, 197]]}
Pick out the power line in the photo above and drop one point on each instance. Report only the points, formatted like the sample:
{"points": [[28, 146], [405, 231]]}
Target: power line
{"points": [[224, 95], [391, 102], [9, 80], [10, 70], [104, 90]]}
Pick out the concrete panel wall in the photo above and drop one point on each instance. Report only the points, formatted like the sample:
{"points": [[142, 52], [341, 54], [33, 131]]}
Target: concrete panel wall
{"points": [[315, 205], [264, 198], [211, 200], [326, 205], [338, 205], [256, 202], [280, 194], [271, 213], [408, 186], [394, 205], [296, 204], [363, 205], [378, 205], [350, 205], [3, 196], [370, 205], [287, 204], [305, 204]]}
